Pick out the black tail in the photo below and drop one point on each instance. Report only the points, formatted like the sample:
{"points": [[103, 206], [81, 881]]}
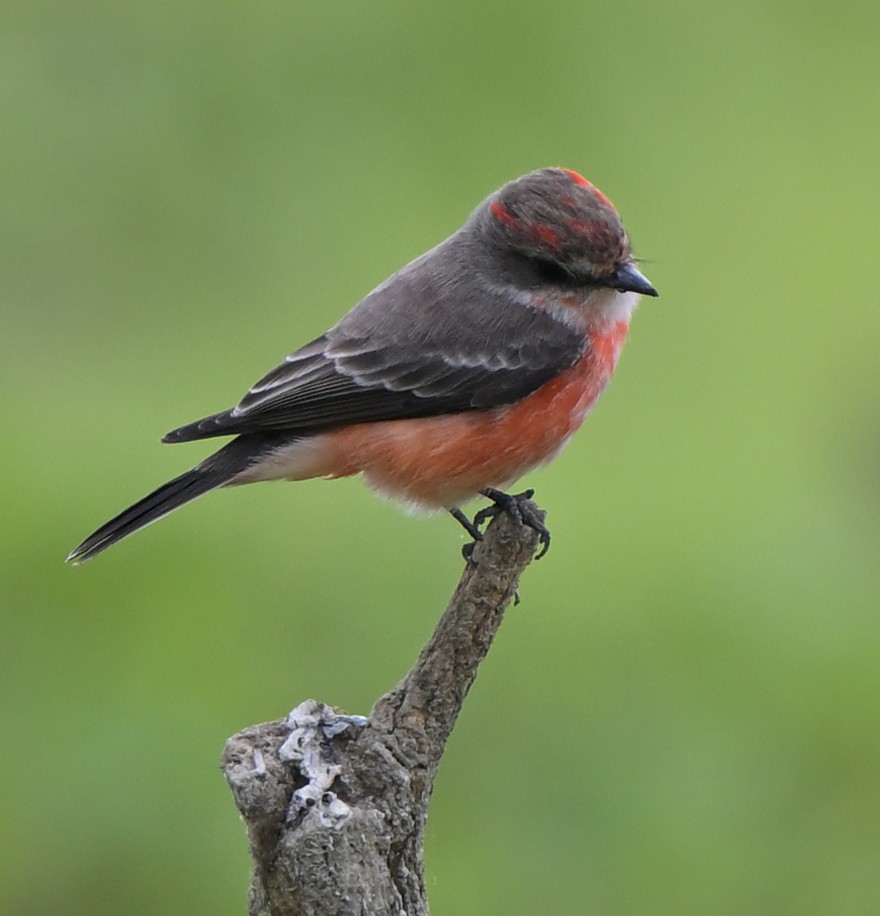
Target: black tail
{"points": [[215, 471]]}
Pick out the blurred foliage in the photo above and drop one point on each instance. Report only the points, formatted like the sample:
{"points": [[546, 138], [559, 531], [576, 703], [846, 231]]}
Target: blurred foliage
{"points": [[682, 716]]}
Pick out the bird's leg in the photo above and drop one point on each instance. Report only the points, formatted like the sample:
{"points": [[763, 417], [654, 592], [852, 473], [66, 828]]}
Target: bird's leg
{"points": [[519, 508], [472, 530]]}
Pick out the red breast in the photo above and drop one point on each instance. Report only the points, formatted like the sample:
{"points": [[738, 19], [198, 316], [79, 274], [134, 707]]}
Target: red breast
{"points": [[440, 462]]}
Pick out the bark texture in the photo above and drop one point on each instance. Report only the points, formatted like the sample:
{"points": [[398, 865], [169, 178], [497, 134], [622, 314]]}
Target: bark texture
{"points": [[335, 806]]}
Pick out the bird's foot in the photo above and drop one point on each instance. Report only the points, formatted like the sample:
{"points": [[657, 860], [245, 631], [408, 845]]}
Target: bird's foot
{"points": [[518, 506], [520, 509], [468, 550]]}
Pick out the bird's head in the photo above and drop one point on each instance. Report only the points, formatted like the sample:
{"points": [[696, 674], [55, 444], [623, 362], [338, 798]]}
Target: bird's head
{"points": [[564, 229]]}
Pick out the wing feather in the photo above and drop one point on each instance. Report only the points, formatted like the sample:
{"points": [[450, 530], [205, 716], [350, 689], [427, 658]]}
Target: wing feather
{"points": [[383, 361]]}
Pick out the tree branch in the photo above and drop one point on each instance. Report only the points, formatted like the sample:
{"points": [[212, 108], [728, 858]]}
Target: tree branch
{"points": [[335, 806]]}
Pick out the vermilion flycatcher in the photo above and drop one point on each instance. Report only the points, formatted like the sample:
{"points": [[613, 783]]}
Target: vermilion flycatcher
{"points": [[474, 363]]}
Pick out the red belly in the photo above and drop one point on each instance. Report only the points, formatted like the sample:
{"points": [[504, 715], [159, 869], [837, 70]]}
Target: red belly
{"points": [[443, 461]]}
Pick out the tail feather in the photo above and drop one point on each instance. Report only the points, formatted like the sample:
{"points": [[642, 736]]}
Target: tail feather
{"points": [[215, 471], [158, 504]]}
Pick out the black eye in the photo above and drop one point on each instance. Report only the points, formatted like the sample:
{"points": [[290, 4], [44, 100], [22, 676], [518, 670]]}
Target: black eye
{"points": [[552, 271]]}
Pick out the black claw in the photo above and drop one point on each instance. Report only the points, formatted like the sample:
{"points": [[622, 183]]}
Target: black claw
{"points": [[521, 511], [467, 551], [517, 506]]}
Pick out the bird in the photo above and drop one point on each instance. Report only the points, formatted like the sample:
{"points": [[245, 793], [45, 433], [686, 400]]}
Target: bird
{"points": [[470, 366]]}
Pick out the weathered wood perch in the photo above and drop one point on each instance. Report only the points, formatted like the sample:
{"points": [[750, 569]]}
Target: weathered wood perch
{"points": [[335, 806]]}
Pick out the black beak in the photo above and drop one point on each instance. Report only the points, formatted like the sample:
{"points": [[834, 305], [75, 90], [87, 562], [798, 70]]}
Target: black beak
{"points": [[628, 279]]}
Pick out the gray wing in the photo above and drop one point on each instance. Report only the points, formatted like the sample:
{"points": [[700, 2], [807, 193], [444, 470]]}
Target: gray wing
{"points": [[389, 359]]}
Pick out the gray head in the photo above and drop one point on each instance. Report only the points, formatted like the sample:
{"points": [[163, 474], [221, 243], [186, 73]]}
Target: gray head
{"points": [[557, 222]]}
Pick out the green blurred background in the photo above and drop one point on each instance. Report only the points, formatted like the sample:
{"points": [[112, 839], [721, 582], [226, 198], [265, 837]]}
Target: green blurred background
{"points": [[683, 716]]}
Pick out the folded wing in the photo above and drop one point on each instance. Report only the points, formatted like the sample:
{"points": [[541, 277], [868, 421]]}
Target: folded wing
{"points": [[385, 361]]}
